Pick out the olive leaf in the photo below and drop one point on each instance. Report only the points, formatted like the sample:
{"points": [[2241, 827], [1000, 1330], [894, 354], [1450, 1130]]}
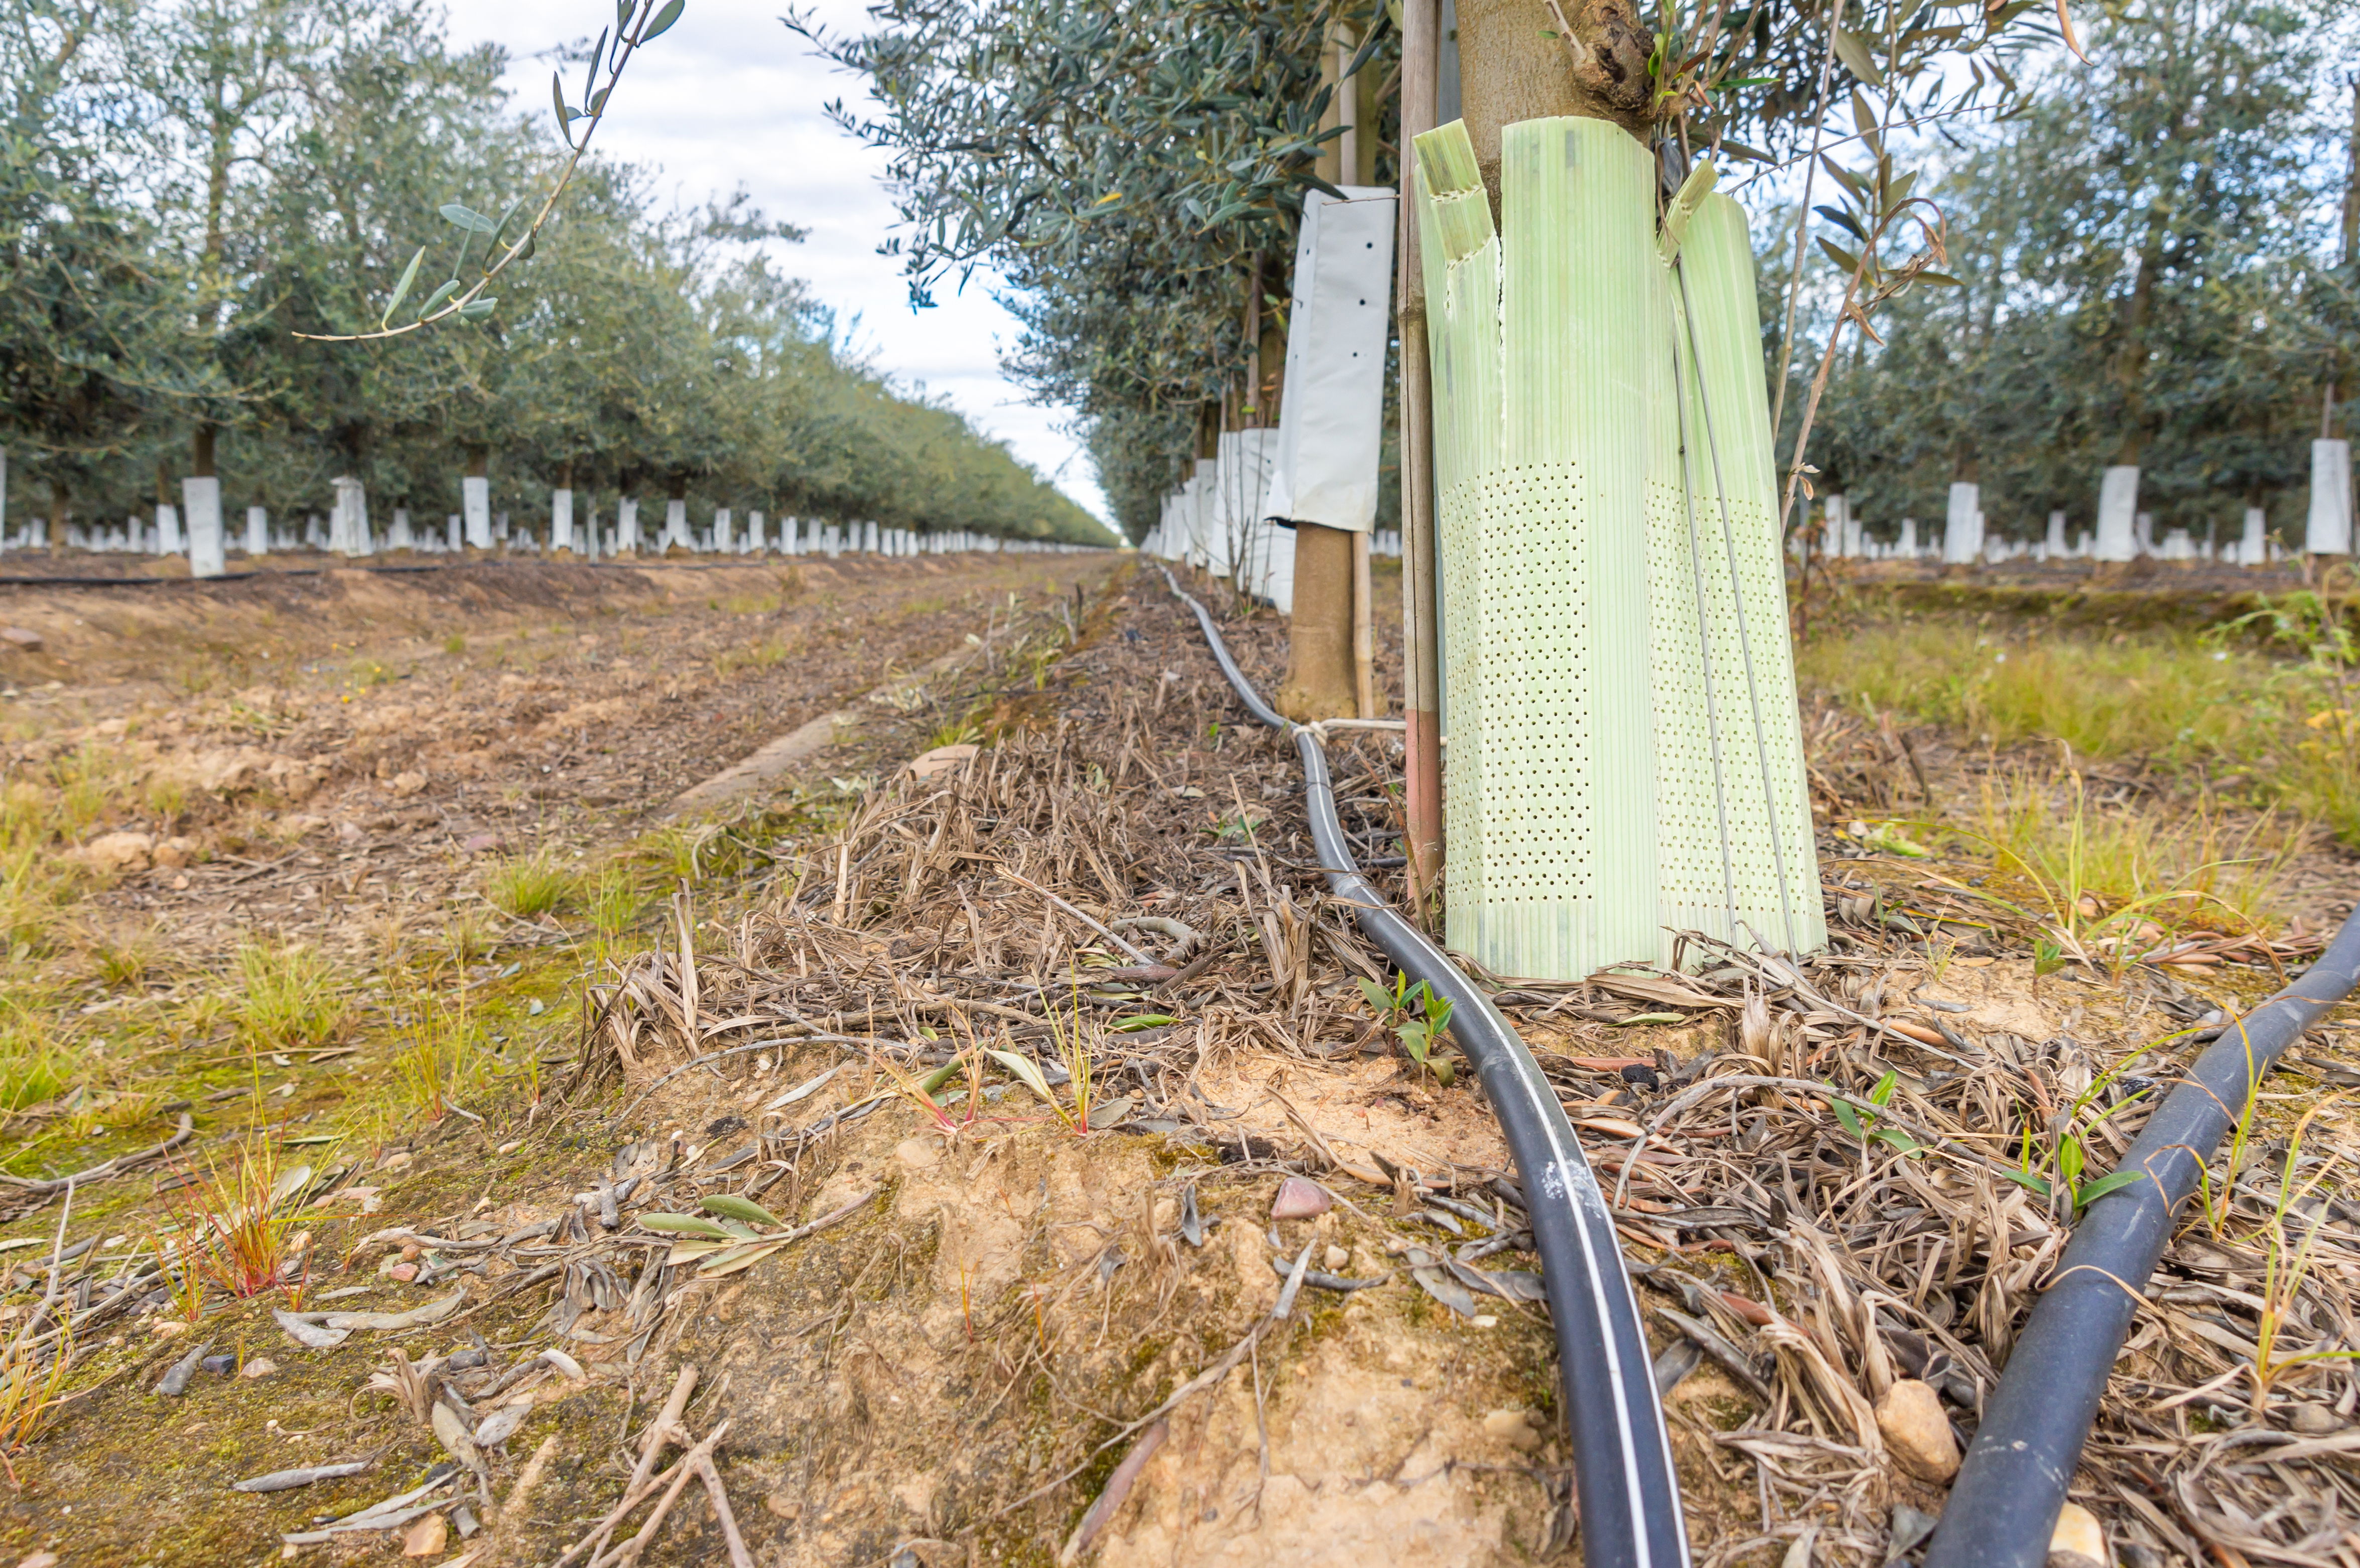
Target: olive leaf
{"points": [[402, 289]]}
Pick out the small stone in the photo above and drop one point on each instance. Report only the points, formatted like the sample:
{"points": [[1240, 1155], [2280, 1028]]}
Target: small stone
{"points": [[348, 833], [943, 759], [404, 1272], [120, 852], [219, 1365], [24, 641], [785, 1506], [1300, 1199], [2313, 1421], [410, 1251], [425, 1537], [175, 852], [477, 843], [1336, 1258], [1910, 1416], [1513, 1426], [260, 1366], [2079, 1540], [403, 785], [40, 1560], [167, 1328]]}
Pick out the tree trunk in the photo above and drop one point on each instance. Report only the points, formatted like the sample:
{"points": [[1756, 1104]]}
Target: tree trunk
{"points": [[1511, 69], [200, 452], [1319, 679], [2130, 365]]}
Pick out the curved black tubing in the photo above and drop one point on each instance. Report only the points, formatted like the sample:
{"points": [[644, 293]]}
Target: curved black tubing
{"points": [[2004, 1505], [1629, 1497]]}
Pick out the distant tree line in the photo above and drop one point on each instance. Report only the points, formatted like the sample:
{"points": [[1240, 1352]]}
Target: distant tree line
{"points": [[2157, 264], [186, 186]]}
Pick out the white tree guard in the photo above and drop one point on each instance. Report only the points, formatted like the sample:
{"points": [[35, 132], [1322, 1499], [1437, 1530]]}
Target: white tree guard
{"points": [[2251, 550], [2328, 530], [2118, 513], [1909, 545], [627, 526], [1268, 571], [348, 521], [1962, 526], [257, 531], [1323, 467], [560, 519], [2056, 540], [1241, 478], [208, 552], [475, 505]]}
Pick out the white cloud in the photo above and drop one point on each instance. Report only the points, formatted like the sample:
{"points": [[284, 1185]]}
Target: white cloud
{"points": [[729, 97]]}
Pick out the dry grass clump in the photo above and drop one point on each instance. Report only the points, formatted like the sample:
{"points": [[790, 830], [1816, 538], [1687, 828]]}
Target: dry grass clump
{"points": [[2198, 866], [2261, 711]]}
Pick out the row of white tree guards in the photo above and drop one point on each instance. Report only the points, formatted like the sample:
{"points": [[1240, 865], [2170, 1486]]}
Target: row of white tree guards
{"points": [[346, 530], [1235, 515], [2123, 532]]}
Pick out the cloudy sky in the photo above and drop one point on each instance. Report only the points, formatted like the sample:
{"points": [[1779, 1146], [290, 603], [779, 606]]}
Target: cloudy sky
{"points": [[729, 97]]}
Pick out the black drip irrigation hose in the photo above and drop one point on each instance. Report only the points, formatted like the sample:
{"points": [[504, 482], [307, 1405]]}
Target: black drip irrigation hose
{"points": [[1629, 1498], [2003, 1509]]}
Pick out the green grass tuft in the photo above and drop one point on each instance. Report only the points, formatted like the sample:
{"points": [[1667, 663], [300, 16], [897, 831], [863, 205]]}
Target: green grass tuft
{"points": [[288, 998], [531, 885]]}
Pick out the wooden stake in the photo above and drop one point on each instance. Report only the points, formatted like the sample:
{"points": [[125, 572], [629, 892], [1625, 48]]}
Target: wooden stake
{"points": [[1421, 699], [1364, 650]]}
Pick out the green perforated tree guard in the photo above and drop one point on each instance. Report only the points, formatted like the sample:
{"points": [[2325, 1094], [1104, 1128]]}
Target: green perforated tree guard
{"points": [[1624, 761]]}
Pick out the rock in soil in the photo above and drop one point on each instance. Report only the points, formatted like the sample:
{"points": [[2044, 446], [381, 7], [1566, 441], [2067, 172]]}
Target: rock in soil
{"points": [[1910, 1416]]}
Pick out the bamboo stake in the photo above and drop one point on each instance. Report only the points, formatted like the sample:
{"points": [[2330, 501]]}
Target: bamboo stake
{"points": [[1364, 642], [1421, 702]]}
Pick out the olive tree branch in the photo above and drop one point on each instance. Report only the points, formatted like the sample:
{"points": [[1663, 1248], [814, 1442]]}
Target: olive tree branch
{"points": [[645, 25]]}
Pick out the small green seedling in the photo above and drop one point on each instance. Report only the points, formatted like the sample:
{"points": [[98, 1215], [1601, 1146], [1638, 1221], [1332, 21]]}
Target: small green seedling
{"points": [[1418, 1019], [1862, 1125], [2072, 1161]]}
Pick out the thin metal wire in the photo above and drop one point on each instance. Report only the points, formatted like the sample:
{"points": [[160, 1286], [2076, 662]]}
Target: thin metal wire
{"points": [[1704, 638], [1745, 640]]}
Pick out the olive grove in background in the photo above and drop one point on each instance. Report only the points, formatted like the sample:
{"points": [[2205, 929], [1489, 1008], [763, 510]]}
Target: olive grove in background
{"points": [[186, 187]]}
